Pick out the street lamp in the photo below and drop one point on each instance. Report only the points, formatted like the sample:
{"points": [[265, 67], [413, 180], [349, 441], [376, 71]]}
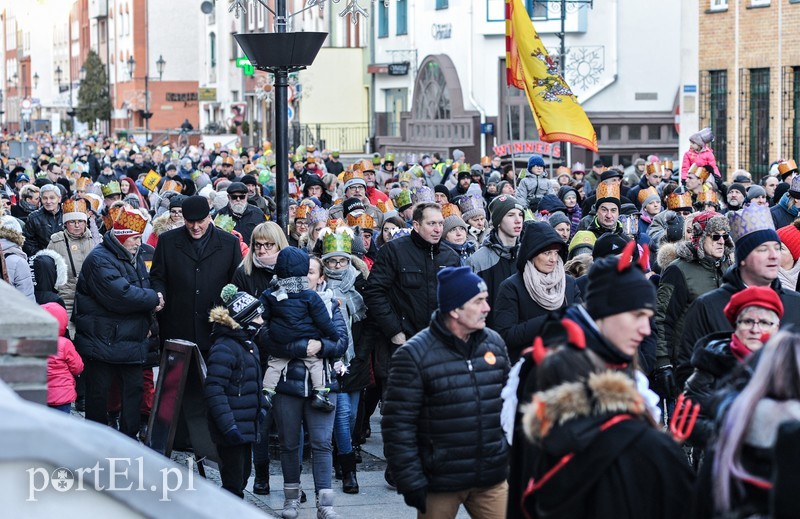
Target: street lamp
{"points": [[71, 112], [35, 80], [146, 113]]}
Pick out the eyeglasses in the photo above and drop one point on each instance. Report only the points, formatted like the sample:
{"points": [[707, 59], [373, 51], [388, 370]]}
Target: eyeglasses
{"points": [[718, 237], [751, 323], [265, 246], [237, 197], [684, 213], [337, 262], [176, 212], [300, 223], [357, 187]]}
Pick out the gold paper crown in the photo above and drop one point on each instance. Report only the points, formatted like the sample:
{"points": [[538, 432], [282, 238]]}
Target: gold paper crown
{"points": [[172, 185], [82, 183], [71, 205], [666, 164], [317, 215], [109, 219], [707, 196], [367, 165], [644, 193], [652, 167], [402, 199], [336, 241], [248, 168], [449, 209], [752, 218], [385, 206], [131, 220], [311, 148], [463, 168], [363, 220], [302, 211], [112, 188], [355, 167], [311, 160], [404, 176], [702, 173], [486, 161], [94, 200], [784, 168], [679, 201], [607, 190], [353, 175], [333, 223]]}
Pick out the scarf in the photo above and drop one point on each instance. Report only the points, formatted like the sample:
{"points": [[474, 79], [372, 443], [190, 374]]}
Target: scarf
{"points": [[789, 277], [547, 290], [268, 262], [784, 202], [576, 214], [291, 285], [739, 349], [342, 282], [464, 250]]}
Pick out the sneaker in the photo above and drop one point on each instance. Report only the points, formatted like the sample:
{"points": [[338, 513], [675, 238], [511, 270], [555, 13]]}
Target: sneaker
{"points": [[291, 502], [320, 401], [325, 505]]}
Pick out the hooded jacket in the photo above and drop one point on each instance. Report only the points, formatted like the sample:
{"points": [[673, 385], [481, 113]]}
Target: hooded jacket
{"points": [[65, 365], [324, 199], [518, 318], [600, 458], [49, 274], [494, 263], [531, 189], [74, 252], [18, 271]]}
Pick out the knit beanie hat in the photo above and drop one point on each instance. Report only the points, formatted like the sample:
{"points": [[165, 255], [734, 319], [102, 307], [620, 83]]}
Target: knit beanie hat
{"points": [[790, 236], [241, 306], [755, 191], [617, 285], [558, 218], [609, 244], [738, 187], [353, 205], [500, 206], [535, 160], [439, 188], [763, 297], [580, 242], [456, 286], [450, 223]]}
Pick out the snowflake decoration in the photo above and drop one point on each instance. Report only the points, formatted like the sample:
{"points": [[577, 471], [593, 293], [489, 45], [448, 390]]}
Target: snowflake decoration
{"points": [[585, 66], [236, 7]]}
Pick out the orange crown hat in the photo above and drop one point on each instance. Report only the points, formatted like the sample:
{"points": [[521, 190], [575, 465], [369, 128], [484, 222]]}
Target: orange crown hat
{"points": [[302, 212], [679, 201], [333, 223], [83, 183], [701, 172], [364, 221], [356, 166], [352, 178], [652, 167], [607, 192], [172, 185], [644, 194], [449, 209], [486, 161], [75, 210], [94, 200], [129, 223], [786, 168], [667, 164], [707, 196], [385, 206], [228, 160], [367, 165]]}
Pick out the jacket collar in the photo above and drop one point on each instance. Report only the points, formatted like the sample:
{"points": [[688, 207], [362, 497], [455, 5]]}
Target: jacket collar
{"points": [[440, 331], [186, 245], [420, 243]]}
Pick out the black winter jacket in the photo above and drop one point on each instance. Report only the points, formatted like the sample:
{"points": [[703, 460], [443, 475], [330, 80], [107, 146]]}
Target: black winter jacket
{"points": [[706, 316], [441, 413], [113, 305], [191, 285], [254, 284], [233, 385], [39, 226], [494, 263], [247, 221]]}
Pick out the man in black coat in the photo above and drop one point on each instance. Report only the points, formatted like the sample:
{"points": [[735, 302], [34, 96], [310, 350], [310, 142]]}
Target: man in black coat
{"points": [[113, 316], [43, 222], [246, 215], [758, 258], [441, 416]]}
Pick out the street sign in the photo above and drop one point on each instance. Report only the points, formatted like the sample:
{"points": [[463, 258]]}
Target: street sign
{"points": [[246, 66], [290, 113], [291, 93], [26, 103], [241, 62]]}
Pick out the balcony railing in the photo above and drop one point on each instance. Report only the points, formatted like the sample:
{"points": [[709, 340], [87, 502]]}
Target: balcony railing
{"points": [[345, 137]]}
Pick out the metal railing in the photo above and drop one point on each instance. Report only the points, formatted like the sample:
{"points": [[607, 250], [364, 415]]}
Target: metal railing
{"points": [[347, 138]]}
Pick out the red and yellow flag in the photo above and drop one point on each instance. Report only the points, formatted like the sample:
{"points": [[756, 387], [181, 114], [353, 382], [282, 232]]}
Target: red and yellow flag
{"points": [[556, 110]]}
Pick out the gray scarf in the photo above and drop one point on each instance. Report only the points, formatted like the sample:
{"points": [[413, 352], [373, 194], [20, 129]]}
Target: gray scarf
{"points": [[342, 282], [293, 285]]}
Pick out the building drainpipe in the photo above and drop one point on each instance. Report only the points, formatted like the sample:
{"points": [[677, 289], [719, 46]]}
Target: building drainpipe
{"points": [[470, 81]]}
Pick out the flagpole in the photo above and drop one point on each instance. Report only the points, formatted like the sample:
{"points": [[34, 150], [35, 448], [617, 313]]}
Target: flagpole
{"points": [[511, 139]]}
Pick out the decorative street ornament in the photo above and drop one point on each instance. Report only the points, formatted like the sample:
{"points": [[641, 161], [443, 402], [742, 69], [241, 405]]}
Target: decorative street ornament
{"points": [[352, 8]]}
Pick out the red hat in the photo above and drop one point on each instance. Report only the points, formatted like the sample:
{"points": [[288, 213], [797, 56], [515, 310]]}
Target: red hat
{"points": [[790, 236], [763, 297]]}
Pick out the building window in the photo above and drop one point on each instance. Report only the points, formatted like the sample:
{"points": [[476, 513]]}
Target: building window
{"points": [[614, 132], [654, 132], [537, 9], [759, 3], [383, 20], [234, 47], [402, 17], [434, 99], [718, 105], [634, 132], [442, 4], [212, 47], [396, 103], [719, 5], [759, 122]]}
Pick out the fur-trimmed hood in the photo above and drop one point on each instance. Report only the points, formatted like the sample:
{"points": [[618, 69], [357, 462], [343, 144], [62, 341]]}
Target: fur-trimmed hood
{"points": [[605, 393], [12, 236], [61, 267], [162, 224], [360, 265], [693, 250], [667, 253], [220, 315]]}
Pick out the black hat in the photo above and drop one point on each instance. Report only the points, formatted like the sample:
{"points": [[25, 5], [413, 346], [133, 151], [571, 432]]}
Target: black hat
{"points": [[171, 166], [439, 188], [248, 180], [237, 187], [351, 205], [464, 174], [618, 285], [177, 201], [610, 173], [738, 187], [241, 306], [609, 244], [195, 208]]}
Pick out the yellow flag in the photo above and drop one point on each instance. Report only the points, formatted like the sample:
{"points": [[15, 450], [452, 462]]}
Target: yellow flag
{"points": [[556, 110], [151, 180]]}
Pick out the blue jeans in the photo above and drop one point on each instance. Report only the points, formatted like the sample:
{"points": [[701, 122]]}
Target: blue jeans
{"points": [[65, 408], [345, 420], [290, 413]]}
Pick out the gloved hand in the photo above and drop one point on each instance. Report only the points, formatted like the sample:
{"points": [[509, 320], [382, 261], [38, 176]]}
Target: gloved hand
{"points": [[234, 437], [417, 499], [664, 382]]}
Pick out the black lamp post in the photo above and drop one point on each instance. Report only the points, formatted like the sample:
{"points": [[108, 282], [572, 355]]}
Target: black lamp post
{"points": [[71, 110], [146, 113], [280, 53]]}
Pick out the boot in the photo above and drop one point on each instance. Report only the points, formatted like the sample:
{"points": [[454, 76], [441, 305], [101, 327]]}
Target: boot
{"points": [[80, 404], [321, 402], [261, 483], [337, 467], [325, 505], [291, 500], [113, 419], [357, 452], [349, 482], [268, 393]]}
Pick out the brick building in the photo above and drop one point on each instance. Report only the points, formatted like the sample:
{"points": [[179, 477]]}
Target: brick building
{"points": [[749, 91]]}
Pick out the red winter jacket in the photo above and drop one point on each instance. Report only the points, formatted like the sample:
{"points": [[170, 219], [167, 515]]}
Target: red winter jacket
{"points": [[704, 157], [64, 366]]}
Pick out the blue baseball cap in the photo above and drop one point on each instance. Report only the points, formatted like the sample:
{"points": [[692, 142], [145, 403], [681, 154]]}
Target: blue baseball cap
{"points": [[22, 177]]}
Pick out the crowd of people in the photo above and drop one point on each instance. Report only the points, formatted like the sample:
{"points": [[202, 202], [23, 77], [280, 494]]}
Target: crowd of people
{"points": [[530, 338]]}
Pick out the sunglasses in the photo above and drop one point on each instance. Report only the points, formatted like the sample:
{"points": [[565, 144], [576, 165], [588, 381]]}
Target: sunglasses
{"points": [[237, 197], [718, 237]]}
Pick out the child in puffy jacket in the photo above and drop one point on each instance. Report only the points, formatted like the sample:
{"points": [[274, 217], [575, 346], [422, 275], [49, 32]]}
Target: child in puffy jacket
{"points": [[534, 185], [700, 153], [64, 366], [294, 312]]}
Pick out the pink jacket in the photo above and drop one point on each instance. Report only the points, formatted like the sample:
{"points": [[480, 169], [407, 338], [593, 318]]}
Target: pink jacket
{"points": [[64, 366], [704, 157]]}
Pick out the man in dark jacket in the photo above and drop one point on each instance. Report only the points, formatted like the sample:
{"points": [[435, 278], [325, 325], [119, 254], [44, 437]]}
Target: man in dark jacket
{"points": [[401, 288], [758, 258], [113, 315], [44, 222], [447, 376], [784, 211], [494, 261], [246, 215]]}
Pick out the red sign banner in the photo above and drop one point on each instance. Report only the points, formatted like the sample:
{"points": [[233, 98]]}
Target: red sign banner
{"points": [[528, 147]]}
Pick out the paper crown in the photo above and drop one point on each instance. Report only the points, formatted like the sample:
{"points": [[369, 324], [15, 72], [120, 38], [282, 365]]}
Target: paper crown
{"points": [[708, 196], [172, 185], [356, 166], [677, 201], [302, 212], [388, 158], [645, 193], [94, 200], [363, 220], [786, 167], [450, 210], [486, 161], [71, 205], [228, 161], [334, 223], [385, 206], [317, 215], [311, 148], [404, 176], [311, 160], [83, 183], [752, 218], [667, 164], [368, 165], [469, 204], [701, 172], [417, 171], [607, 189], [423, 194], [351, 178], [652, 167], [578, 167], [248, 168], [463, 168], [111, 217], [562, 170], [794, 187], [224, 222], [297, 158], [129, 222], [402, 198], [111, 189]]}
